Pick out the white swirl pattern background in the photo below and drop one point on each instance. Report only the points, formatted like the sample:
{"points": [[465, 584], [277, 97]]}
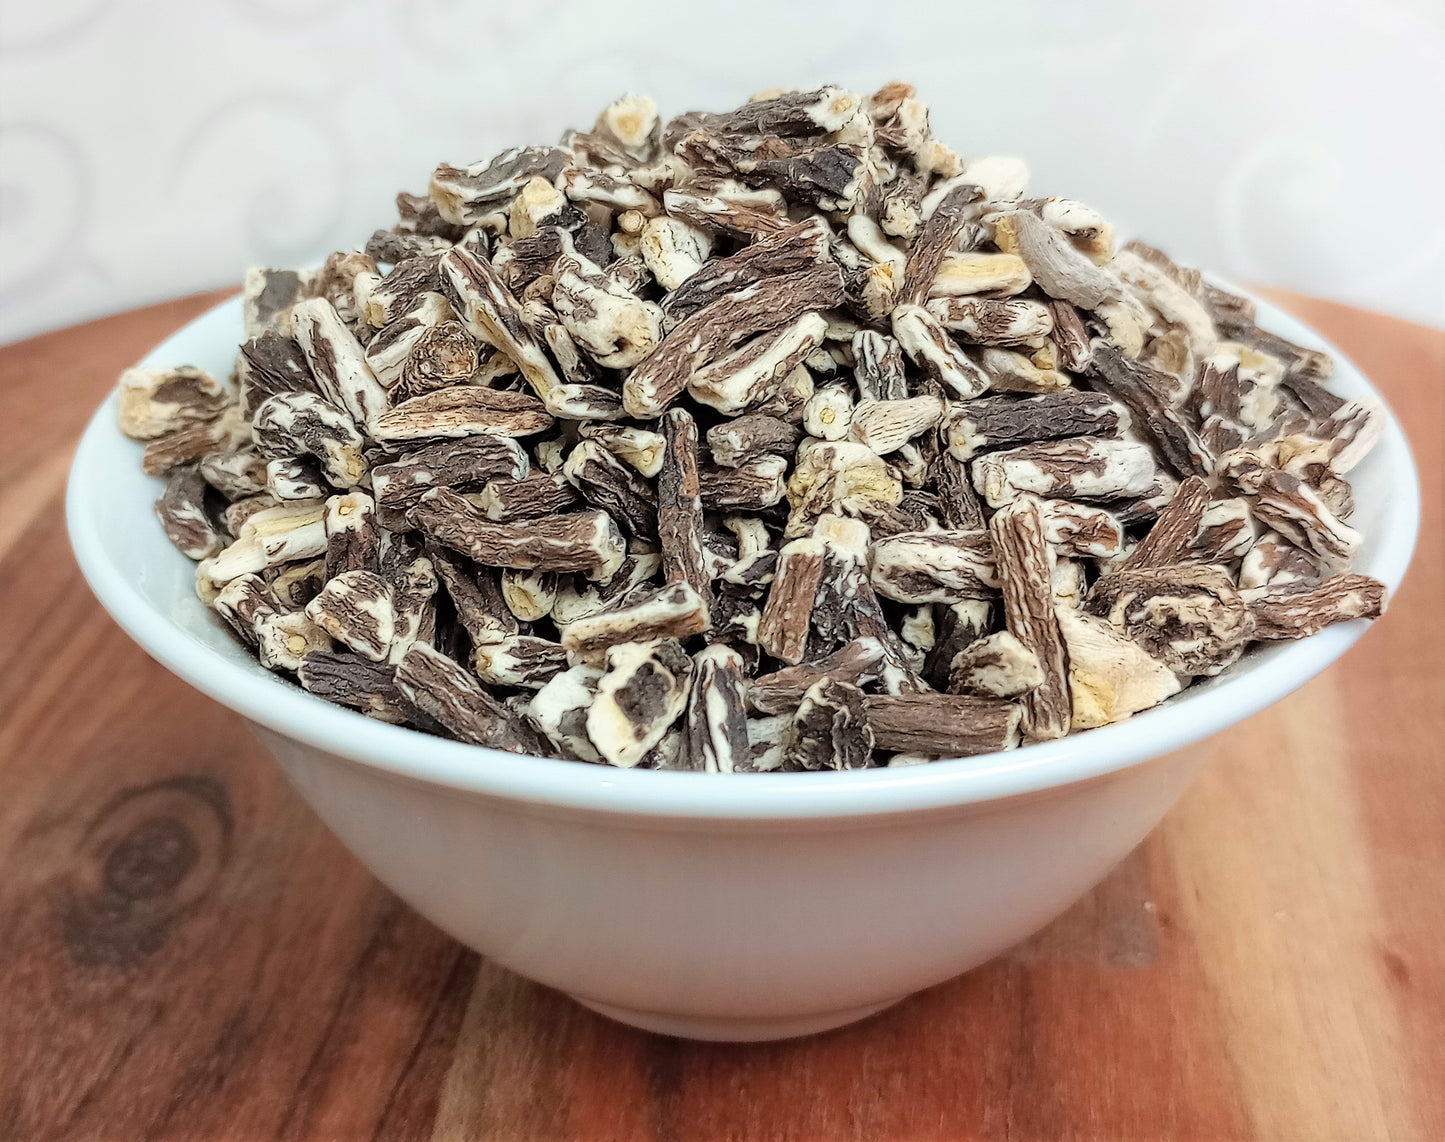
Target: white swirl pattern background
{"points": [[149, 150]]}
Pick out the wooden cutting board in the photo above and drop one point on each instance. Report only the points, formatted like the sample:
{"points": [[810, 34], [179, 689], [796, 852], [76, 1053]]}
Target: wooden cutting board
{"points": [[185, 952]]}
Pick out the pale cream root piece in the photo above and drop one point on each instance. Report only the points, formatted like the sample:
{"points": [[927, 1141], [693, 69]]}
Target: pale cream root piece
{"points": [[838, 477], [673, 250], [153, 402], [643, 690], [964, 275], [1110, 677], [559, 711], [828, 413], [284, 640], [884, 426], [998, 665]]}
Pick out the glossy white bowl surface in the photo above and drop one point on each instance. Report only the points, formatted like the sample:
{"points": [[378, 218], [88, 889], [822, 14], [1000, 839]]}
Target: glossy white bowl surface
{"points": [[715, 906]]}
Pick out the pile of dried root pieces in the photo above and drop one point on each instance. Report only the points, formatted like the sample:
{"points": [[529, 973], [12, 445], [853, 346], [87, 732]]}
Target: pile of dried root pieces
{"points": [[783, 438]]}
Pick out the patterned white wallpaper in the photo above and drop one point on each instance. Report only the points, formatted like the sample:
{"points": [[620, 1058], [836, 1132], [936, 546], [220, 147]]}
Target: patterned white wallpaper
{"points": [[154, 147]]}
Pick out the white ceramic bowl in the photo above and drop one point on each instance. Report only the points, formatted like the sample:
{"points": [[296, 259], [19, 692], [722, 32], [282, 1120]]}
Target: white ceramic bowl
{"points": [[705, 905]]}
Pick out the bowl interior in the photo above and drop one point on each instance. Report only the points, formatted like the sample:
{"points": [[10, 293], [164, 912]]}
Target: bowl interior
{"points": [[148, 587]]}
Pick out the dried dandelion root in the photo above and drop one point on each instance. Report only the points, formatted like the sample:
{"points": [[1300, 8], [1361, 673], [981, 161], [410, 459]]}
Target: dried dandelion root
{"points": [[782, 438]]}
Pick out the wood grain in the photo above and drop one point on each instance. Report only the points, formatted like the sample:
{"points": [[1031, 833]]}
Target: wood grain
{"points": [[186, 953]]}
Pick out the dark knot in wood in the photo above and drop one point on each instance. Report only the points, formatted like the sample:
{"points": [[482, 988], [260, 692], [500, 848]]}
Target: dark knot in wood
{"points": [[150, 860], [146, 861]]}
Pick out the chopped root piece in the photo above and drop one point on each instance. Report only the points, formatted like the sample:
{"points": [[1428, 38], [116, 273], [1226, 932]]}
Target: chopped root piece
{"points": [[156, 402], [998, 666], [1025, 567], [243, 603], [751, 375], [772, 302], [829, 729], [413, 591], [783, 632], [1084, 468], [878, 366], [1190, 617], [757, 483], [519, 660], [641, 693], [884, 426], [284, 639], [539, 494], [991, 423], [679, 506], [443, 690], [994, 321], [780, 692], [574, 541], [559, 711], [1173, 531], [1081, 531], [462, 410], [476, 597], [929, 346], [934, 566], [942, 725], [1286, 503], [460, 464], [348, 679], [1110, 677], [355, 609], [715, 731], [674, 611], [352, 542], [734, 442], [182, 512], [607, 483], [530, 595], [337, 360], [1298, 610]]}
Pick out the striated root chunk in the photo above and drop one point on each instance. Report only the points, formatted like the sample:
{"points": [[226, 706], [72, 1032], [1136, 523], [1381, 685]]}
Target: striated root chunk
{"points": [[781, 691], [1190, 617], [679, 506], [934, 566], [1085, 468], [715, 731], [446, 692], [829, 729], [355, 609], [574, 541], [614, 326], [1025, 567], [942, 725], [519, 660], [156, 402], [1298, 610], [929, 346]]}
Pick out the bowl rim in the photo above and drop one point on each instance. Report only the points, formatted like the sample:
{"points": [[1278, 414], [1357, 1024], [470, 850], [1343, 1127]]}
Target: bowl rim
{"points": [[475, 770]]}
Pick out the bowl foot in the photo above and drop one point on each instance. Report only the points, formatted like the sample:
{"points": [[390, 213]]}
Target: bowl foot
{"points": [[723, 1030]]}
